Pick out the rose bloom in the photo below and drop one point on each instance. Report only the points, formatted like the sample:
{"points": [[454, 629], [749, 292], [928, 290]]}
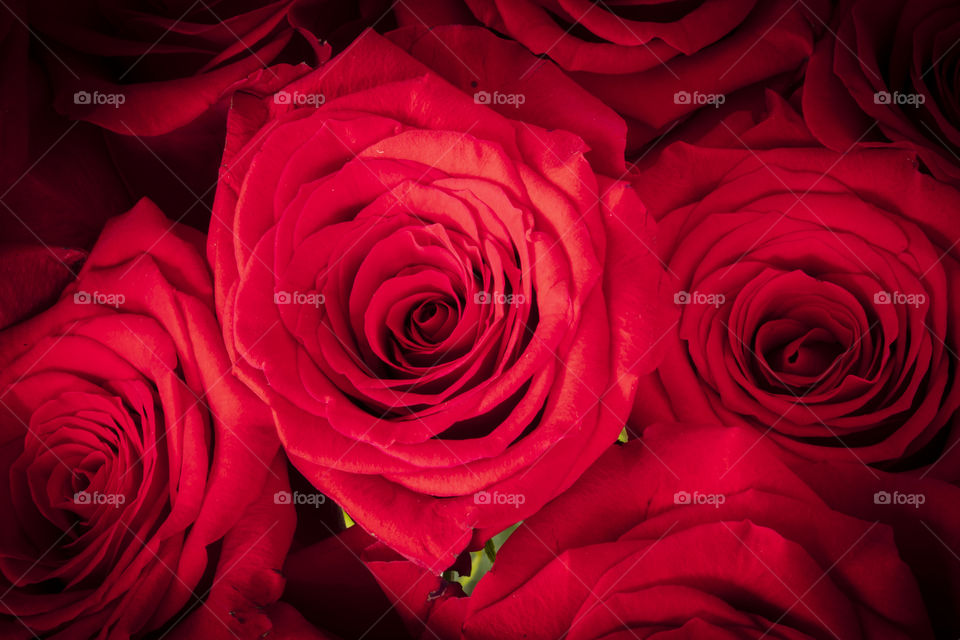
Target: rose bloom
{"points": [[445, 308], [887, 77], [815, 295], [122, 437], [703, 532], [164, 72], [155, 67], [654, 61]]}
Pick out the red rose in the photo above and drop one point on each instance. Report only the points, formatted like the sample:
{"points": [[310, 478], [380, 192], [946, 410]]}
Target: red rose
{"points": [[655, 61], [702, 532], [887, 77], [167, 66], [122, 437], [158, 76], [443, 307], [815, 295]]}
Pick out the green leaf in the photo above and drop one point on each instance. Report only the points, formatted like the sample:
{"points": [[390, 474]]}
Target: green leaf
{"points": [[481, 561], [491, 550]]}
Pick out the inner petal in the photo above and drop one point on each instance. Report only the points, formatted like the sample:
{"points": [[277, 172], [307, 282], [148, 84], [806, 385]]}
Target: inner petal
{"points": [[790, 348]]}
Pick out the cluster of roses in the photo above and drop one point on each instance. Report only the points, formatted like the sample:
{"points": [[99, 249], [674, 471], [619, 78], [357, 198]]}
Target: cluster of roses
{"points": [[480, 319]]}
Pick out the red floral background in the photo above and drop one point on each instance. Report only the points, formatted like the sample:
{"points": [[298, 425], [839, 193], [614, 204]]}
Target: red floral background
{"points": [[479, 319]]}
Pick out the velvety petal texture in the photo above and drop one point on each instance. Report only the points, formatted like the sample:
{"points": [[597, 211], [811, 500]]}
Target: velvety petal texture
{"points": [[128, 450], [818, 294], [656, 62], [154, 80], [172, 62], [704, 532], [439, 303], [886, 76]]}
